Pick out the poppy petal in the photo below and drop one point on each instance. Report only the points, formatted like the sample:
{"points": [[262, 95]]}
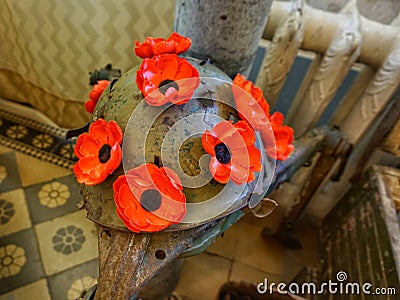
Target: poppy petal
{"points": [[175, 43], [244, 158], [143, 178], [284, 136], [224, 131], [95, 94], [246, 132], [250, 102], [182, 44], [220, 172], [99, 131], [168, 66], [239, 174], [90, 106], [98, 89], [88, 146], [89, 169], [209, 142], [155, 72], [114, 133], [163, 47], [276, 119], [255, 159], [173, 177]]}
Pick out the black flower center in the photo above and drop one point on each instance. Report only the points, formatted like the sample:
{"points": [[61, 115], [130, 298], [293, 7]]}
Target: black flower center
{"points": [[150, 200], [222, 153], [166, 84], [104, 153]]}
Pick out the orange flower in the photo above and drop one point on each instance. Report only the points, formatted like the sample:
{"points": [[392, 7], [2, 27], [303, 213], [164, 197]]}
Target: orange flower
{"points": [[99, 152], [250, 102], [95, 94], [167, 78], [233, 152], [252, 106], [283, 138], [149, 198], [174, 44]]}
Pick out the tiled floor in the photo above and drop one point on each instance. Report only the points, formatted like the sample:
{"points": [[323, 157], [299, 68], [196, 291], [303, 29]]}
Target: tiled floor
{"points": [[48, 249], [242, 254]]}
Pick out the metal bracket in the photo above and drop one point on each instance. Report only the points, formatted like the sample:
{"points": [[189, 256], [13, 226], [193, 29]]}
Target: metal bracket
{"points": [[334, 148]]}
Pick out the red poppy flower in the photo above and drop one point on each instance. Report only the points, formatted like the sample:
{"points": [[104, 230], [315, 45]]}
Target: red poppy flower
{"points": [[283, 138], [149, 198], [167, 78], [174, 44], [233, 152], [250, 102], [95, 94], [99, 152]]}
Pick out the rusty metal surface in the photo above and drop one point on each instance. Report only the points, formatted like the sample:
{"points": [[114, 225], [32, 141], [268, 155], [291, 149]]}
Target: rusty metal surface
{"points": [[305, 148], [121, 251], [128, 261], [334, 147], [118, 102], [164, 283]]}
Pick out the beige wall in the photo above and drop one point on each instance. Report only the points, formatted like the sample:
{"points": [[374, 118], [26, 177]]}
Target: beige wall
{"points": [[48, 47]]}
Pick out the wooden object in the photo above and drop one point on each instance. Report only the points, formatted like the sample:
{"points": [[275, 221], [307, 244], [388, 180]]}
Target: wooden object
{"points": [[361, 236]]}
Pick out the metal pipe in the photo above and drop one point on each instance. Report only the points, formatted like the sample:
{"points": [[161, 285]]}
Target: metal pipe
{"points": [[320, 28], [226, 31]]}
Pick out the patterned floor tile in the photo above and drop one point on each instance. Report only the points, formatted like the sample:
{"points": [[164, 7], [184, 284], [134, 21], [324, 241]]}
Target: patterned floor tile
{"points": [[74, 282], [36, 290], [19, 260], [4, 149], [40, 140], [33, 170], [51, 199], [14, 214], [9, 177], [66, 242]]}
